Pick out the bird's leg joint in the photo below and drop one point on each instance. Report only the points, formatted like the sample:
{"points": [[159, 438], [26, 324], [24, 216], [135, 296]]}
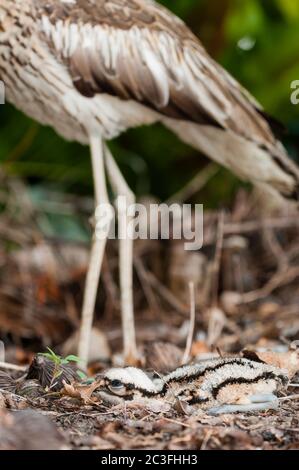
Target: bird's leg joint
{"points": [[104, 215]]}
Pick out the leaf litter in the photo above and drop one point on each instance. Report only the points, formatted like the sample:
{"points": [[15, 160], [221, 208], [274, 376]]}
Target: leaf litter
{"points": [[246, 302]]}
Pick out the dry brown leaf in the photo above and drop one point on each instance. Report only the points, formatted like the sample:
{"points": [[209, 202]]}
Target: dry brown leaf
{"points": [[163, 425], [284, 360], [230, 302], [12, 401], [98, 443], [29, 430], [182, 408], [83, 392], [269, 309], [163, 357], [199, 347]]}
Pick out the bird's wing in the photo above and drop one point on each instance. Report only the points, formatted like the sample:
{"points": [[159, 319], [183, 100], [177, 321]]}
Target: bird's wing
{"points": [[136, 49]]}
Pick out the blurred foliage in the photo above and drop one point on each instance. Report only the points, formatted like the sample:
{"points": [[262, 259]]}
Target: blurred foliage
{"points": [[256, 40]]}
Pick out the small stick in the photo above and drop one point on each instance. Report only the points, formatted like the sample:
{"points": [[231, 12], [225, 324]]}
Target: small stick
{"points": [[219, 352], [146, 285], [217, 259], [195, 185], [166, 294], [6, 365], [185, 425], [279, 279], [187, 353], [244, 228], [290, 397], [206, 439]]}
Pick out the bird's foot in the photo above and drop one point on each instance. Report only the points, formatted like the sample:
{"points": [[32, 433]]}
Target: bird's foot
{"points": [[256, 403]]}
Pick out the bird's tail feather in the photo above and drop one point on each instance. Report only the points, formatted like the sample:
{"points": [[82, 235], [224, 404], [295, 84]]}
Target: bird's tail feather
{"points": [[262, 167]]}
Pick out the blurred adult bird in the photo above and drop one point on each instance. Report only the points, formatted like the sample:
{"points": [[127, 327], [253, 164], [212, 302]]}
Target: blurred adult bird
{"points": [[92, 69]]}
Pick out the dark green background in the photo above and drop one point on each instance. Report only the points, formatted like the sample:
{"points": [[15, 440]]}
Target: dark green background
{"points": [[256, 40]]}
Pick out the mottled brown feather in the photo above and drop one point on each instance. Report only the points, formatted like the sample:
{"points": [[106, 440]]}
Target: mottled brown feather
{"points": [[132, 79], [139, 64]]}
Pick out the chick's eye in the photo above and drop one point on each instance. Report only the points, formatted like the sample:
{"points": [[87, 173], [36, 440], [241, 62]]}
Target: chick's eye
{"points": [[116, 384], [117, 387]]}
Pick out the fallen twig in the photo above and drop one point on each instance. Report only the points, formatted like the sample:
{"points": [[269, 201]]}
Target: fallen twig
{"points": [[187, 353], [248, 227], [146, 285], [290, 397], [278, 280], [196, 184], [217, 260], [6, 365], [167, 295]]}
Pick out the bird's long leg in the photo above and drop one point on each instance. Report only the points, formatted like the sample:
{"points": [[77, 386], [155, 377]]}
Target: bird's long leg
{"points": [[121, 188], [97, 249]]}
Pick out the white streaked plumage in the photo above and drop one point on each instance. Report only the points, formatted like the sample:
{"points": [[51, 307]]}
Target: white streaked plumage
{"points": [[221, 385], [132, 376]]}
